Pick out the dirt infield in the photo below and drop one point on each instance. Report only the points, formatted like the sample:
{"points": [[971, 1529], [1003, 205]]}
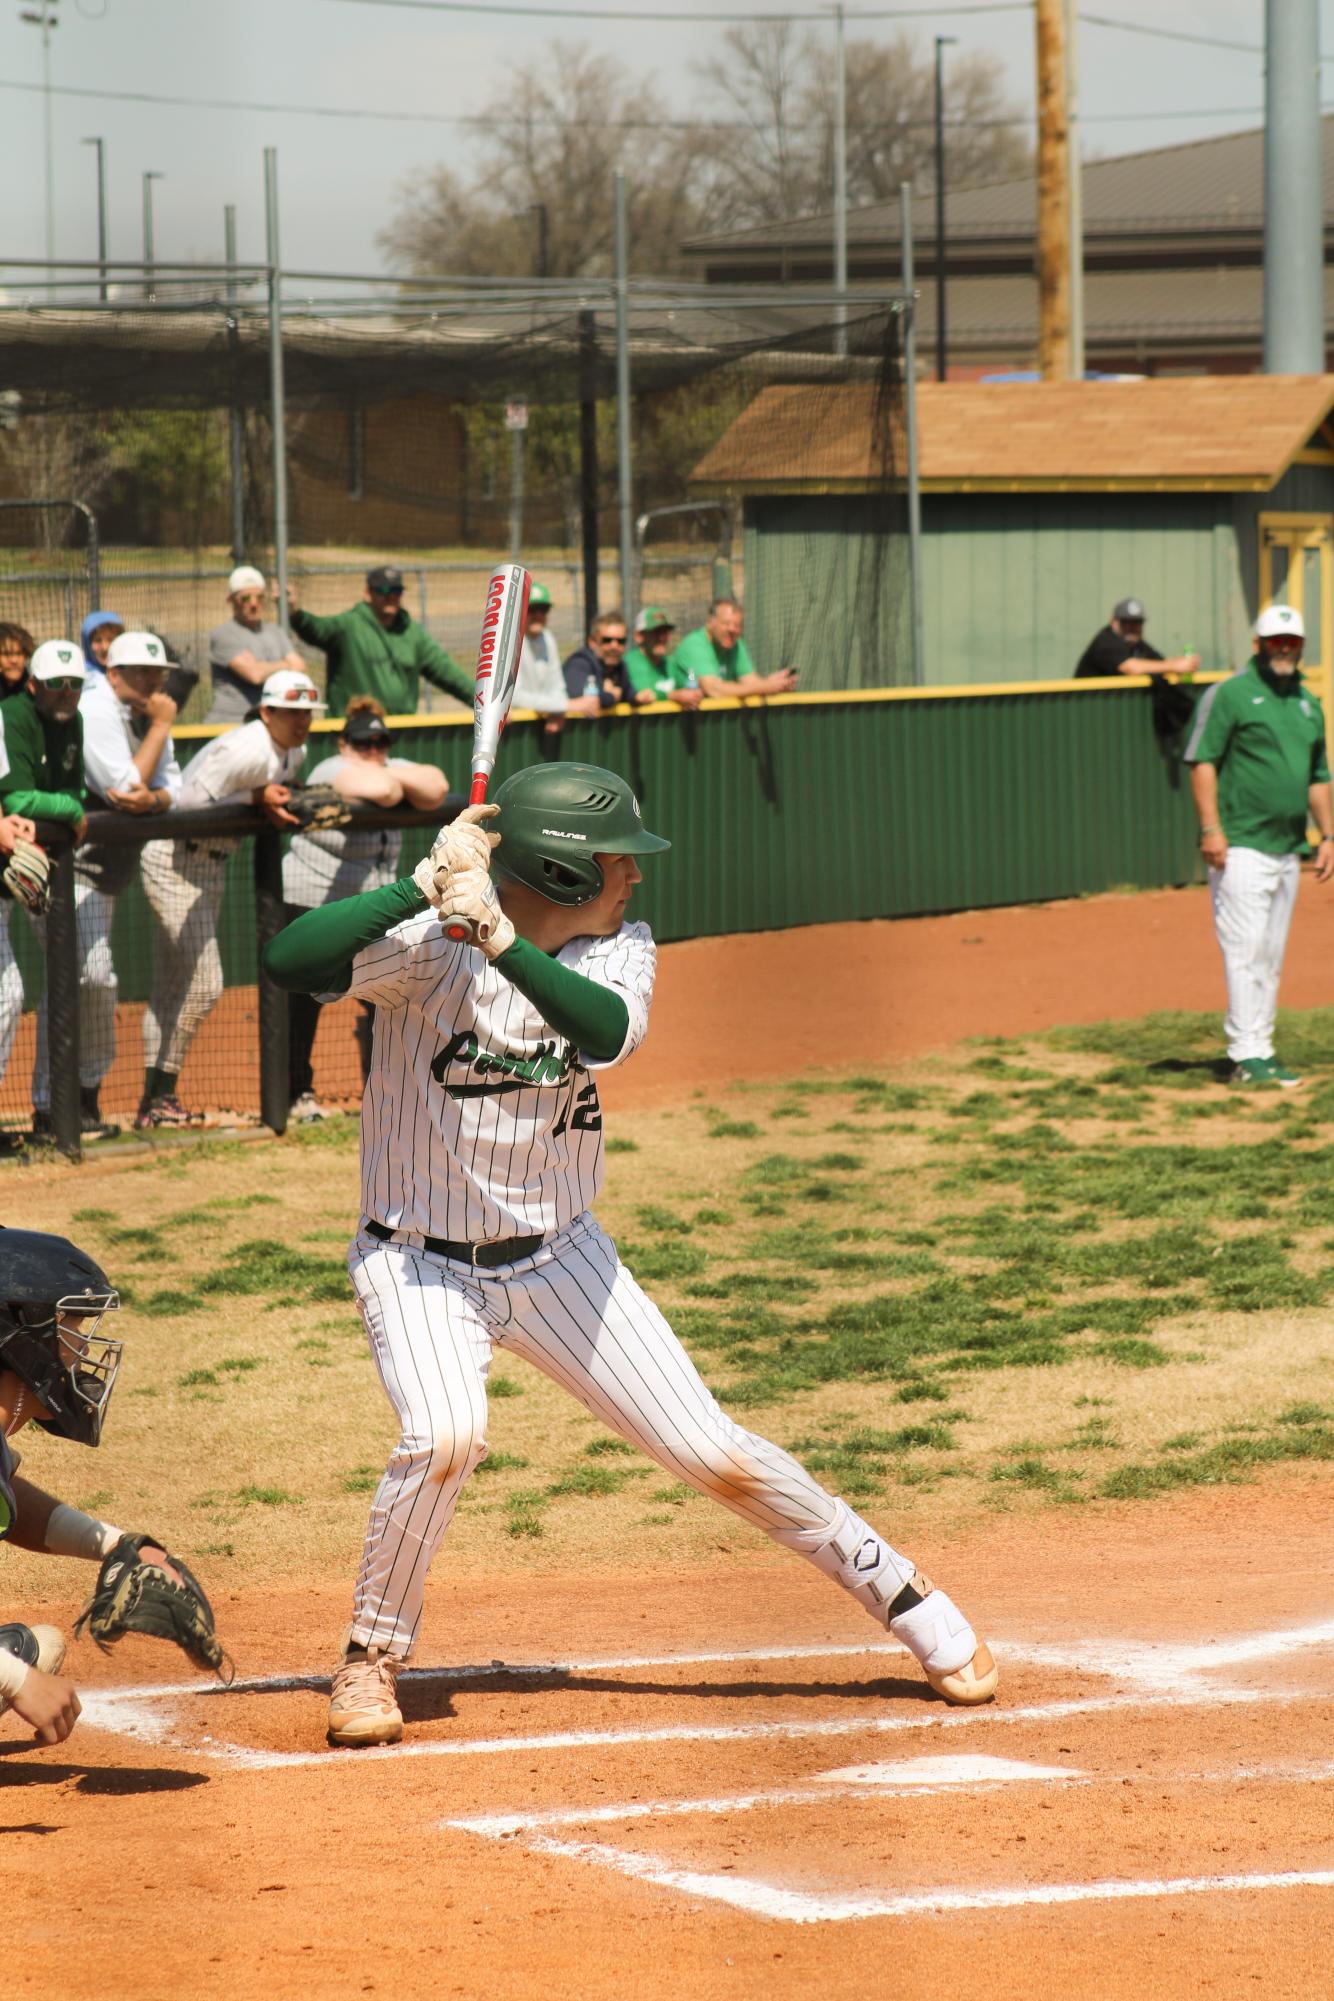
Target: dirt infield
{"points": [[717, 1779]]}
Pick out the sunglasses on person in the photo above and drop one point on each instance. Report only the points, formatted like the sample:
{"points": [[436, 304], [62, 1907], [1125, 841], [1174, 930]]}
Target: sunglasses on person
{"points": [[394, 591], [63, 684], [297, 695], [612, 638]]}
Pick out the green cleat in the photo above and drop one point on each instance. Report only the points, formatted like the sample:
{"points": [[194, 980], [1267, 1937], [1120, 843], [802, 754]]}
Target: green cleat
{"points": [[1287, 1080], [1254, 1073]]}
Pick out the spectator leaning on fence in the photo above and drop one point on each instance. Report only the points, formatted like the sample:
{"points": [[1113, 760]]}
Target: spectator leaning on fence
{"points": [[541, 683], [323, 866], [1121, 648], [715, 653], [13, 827], [16, 650], [184, 878], [244, 651], [649, 669], [376, 649], [595, 677], [130, 767], [97, 632]]}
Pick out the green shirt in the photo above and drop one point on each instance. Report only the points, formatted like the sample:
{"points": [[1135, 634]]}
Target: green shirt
{"points": [[1266, 736], [365, 658], [45, 777], [698, 655], [658, 678]]}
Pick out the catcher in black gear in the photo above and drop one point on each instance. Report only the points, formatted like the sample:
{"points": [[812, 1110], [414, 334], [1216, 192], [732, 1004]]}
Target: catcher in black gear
{"points": [[57, 1369]]}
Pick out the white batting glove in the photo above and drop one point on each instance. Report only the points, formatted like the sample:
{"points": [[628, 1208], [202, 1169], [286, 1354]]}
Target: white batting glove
{"points": [[470, 901], [463, 844]]}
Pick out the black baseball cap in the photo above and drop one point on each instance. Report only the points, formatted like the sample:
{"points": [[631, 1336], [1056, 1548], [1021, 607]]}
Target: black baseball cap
{"points": [[386, 579], [367, 727], [1130, 608]]}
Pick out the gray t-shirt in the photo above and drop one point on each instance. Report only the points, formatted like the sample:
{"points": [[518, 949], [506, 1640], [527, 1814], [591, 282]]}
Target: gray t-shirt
{"points": [[333, 862], [234, 697]]}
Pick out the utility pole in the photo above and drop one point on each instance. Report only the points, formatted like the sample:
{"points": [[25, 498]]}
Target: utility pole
{"points": [[235, 416], [942, 43], [840, 182], [1053, 195], [1078, 349], [149, 179], [1294, 238], [44, 16], [101, 145]]}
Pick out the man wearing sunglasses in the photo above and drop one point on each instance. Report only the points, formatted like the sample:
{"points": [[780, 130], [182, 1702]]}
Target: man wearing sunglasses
{"points": [[1259, 777], [377, 649], [44, 739], [595, 676]]}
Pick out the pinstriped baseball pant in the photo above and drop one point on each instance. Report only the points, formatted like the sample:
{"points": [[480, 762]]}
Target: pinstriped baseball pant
{"points": [[93, 912], [11, 993], [575, 1312], [184, 888], [1253, 897]]}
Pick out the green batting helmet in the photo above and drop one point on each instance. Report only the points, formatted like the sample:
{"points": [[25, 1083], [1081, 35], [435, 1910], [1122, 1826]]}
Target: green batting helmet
{"points": [[556, 818]]}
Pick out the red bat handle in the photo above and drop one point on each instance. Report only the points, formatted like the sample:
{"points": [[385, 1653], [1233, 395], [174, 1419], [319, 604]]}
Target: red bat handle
{"points": [[459, 932]]}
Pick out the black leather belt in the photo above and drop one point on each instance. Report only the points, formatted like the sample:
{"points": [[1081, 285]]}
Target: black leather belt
{"points": [[507, 1252]]}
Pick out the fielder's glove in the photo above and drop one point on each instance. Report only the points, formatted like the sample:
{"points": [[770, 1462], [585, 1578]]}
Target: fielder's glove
{"points": [[27, 876], [470, 901], [463, 844], [318, 806], [132, 1596]]}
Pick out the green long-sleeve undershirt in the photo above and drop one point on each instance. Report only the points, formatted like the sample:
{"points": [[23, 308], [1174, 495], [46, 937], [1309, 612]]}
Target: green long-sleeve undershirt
{"points": [[314, 955]]}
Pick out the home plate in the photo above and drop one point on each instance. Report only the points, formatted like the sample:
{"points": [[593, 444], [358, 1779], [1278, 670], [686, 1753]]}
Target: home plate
{"points": [[961, 1771]]}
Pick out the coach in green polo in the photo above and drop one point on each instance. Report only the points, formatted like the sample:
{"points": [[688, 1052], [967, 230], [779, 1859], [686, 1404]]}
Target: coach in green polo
{"points": [[377, 649], [1259, 775]]}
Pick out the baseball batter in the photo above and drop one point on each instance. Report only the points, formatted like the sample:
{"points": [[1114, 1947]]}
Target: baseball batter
{"points": [[481, 1152]]}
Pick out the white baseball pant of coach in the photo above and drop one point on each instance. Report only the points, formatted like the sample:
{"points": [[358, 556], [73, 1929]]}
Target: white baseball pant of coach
{"points": [[183, 881], [1253, 897], [93, 912], [575, 1312]]}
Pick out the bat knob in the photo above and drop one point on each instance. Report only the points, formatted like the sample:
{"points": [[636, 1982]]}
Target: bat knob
{"points": [[459, 933]]}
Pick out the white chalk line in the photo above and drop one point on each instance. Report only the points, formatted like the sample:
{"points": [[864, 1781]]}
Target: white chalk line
{"points": [[768, 1900], [1145, 1661], [243, 1757], [817, 1792]]}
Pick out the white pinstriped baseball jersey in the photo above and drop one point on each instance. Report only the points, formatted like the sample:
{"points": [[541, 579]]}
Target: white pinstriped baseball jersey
{"points": [[478, 1121]]}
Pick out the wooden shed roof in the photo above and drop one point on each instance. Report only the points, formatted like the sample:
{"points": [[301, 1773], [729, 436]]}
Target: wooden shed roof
{"points": [[1225, 432]]}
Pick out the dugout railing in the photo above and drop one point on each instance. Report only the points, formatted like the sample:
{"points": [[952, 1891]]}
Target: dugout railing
{"points": [[797, 811], [256, 863]]}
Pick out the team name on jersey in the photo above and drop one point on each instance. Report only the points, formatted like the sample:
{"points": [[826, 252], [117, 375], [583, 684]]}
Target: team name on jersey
{"points": [[501, 1069]]}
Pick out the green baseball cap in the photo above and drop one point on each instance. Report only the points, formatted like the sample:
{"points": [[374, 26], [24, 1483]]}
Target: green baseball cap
{"points": [[539, 596], [654, 619]]}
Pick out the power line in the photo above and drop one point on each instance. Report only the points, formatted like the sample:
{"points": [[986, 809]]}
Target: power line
{"points": [[622, 14], [401, 117], [1175, 35]]}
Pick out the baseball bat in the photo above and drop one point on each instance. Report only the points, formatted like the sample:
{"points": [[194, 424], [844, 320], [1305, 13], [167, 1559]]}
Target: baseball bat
{"points": [[498, 656]]}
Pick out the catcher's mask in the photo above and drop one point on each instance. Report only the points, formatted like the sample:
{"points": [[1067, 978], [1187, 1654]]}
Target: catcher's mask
{"points": [[555, 819], [52, 1299]]}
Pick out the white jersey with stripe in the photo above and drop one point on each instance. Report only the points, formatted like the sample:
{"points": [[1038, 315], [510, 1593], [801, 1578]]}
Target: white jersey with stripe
{"points": [[478, 1120]]}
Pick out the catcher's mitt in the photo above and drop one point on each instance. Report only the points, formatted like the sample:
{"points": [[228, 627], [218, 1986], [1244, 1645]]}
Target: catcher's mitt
{"points": [[27, 876], [132, 1596], [319, 806]]}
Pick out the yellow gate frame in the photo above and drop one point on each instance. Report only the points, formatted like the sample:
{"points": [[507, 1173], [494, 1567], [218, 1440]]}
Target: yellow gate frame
{"points": [[1298, 533]]}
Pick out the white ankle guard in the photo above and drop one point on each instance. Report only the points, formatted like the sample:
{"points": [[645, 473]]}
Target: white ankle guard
{"points": [[936, 1633]]}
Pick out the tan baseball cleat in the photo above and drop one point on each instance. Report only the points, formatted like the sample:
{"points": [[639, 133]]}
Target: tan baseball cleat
{"points": [[974, 1682], [363, 1703]]}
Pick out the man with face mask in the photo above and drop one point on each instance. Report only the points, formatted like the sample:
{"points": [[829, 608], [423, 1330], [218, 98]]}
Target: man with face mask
{"points": [[1259, 775]]}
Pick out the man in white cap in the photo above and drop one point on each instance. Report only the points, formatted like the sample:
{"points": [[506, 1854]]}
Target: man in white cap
{"points": [[244, 651], [129, 767], [257, 765], [1259, 778]]}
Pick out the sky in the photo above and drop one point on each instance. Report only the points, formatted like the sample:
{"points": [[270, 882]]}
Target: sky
{"points": [[318, 62]]}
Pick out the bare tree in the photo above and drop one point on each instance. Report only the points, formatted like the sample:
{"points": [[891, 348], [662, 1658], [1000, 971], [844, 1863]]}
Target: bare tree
{"points": [[550, 141], [776, 90]]}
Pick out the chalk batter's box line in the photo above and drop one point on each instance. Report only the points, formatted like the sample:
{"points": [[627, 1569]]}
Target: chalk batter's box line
{"points": [[1160, 1666]]}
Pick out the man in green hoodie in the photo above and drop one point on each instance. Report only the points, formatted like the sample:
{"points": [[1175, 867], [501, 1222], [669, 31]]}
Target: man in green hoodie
{"points": [[377, 649], [44, 739]]}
